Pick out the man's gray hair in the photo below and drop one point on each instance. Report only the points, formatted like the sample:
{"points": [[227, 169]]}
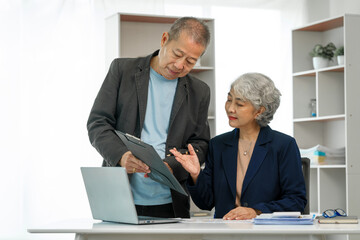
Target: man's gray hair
{"points": [[195, 27], [260, 91]]}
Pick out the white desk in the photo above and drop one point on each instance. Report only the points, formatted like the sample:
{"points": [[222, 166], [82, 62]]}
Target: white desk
{"points": [[92, 229]]}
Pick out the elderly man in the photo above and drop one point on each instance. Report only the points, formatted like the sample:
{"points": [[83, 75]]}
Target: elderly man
{"points": [[156, 100]]}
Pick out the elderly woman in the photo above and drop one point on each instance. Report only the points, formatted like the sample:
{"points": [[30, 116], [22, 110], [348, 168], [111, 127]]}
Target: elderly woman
{"points": [[252, 169]]}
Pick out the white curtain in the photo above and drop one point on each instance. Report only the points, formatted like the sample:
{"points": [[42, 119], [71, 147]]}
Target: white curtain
{"points": [[52, 65]]}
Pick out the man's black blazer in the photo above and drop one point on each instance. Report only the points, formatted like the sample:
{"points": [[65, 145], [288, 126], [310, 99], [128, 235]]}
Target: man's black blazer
{"points": [[121, 105]]}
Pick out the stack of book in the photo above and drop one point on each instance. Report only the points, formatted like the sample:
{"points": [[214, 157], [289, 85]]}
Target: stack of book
{"points": [[324, 155], [284, 218]]}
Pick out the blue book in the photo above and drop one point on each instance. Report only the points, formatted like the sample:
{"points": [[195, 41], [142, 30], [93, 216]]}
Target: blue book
{"points": [[270, 219]]}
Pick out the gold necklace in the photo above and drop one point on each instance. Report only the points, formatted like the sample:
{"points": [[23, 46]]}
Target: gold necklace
{"points": [[246, 151]]}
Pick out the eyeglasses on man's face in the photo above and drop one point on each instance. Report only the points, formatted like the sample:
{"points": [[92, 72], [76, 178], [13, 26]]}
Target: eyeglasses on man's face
{"points": [[330, 213]]}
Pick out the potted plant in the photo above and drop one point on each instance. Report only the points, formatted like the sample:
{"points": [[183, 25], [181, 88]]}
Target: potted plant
{"points": [[339, 53], [322, 55]]}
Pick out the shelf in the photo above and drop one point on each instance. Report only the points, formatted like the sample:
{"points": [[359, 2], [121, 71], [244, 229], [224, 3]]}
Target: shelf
{"points": [[338, 68], [144, 18], [316, 166], [202, 68], [319, 119], [325, 25]]}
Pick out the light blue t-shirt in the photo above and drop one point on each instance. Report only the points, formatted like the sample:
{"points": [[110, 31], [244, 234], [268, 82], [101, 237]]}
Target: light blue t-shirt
{"points": [[159, 104]]}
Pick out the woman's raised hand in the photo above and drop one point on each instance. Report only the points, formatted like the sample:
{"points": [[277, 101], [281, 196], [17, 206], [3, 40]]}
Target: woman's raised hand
{"points": [[189, 161]]}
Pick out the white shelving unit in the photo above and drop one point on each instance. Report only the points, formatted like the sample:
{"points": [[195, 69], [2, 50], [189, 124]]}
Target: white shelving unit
{"points": [[130, 35], [337, 124]]}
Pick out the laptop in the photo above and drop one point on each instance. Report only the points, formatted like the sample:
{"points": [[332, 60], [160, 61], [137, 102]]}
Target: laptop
{"points": [[110, 197]]}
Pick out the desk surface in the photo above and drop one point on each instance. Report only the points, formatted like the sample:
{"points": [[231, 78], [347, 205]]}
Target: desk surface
{"points": [[191, 227]]}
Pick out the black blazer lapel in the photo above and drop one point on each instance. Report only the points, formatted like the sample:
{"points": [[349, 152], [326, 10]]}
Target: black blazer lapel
{"points": [[258, 156], [142, 78], [180, 96], [229, 161]]}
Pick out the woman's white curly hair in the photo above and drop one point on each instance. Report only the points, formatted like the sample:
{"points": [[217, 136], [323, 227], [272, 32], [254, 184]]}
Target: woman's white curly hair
{"points": [[260, 91]]}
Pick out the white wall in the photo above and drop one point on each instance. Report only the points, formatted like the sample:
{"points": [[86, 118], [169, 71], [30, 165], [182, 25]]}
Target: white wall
{"points": [[52, 65], [262, 46], [322, 9], [338, 8]]}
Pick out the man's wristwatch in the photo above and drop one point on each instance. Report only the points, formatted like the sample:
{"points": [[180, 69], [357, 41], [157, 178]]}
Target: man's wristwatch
{"points": [[258, 212]]}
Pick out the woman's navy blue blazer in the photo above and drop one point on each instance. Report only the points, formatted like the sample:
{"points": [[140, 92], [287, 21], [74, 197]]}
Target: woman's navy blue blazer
{"points": [[273, 181]]}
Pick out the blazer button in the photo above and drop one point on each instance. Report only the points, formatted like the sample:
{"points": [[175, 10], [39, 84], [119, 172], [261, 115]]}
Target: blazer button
{"points": [[245, 204]]}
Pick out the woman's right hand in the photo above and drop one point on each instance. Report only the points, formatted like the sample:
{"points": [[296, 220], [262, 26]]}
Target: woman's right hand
{"points": [[189, 161]]}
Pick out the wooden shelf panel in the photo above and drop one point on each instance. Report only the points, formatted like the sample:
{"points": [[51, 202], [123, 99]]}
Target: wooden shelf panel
{"points": [[324, 25], [150, 18], [201, 69], [144, 18]]}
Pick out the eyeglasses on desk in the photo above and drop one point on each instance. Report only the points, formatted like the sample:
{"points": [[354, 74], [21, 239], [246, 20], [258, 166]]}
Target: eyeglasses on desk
{"points": [[330, 213]]}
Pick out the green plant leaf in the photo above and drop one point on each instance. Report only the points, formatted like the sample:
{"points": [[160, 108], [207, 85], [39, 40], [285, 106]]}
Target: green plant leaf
{"points": [[325, 52]]}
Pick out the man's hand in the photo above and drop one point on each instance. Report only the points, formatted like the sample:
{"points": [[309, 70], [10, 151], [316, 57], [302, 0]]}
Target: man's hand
{"points": [[133, 164], [169, 167], [240, 213]]}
